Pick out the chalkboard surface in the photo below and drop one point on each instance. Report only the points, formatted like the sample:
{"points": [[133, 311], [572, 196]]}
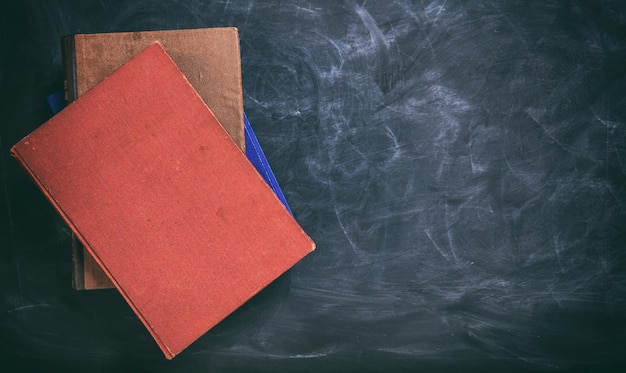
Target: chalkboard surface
{"points": [[461, 166]]}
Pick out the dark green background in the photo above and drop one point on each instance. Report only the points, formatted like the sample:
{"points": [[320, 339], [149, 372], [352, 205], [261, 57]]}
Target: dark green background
{"points": [[460, 164]]}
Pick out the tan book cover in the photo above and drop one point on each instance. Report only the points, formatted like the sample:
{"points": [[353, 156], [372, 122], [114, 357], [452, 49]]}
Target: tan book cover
{"points": [[209, 58]]}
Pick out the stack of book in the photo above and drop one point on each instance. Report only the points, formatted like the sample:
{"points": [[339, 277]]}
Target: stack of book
{"points": [[148, 167]]}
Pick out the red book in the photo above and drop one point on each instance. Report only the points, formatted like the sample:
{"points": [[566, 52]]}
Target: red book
{"points": [[163, 199], [208, 57]]}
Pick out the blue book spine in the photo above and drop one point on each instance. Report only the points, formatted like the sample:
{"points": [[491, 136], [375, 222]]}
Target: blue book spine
{"points": [[257, 158]]}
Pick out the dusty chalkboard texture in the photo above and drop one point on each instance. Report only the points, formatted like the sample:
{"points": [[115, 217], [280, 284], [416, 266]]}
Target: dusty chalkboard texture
{"points": [[460, 164]]}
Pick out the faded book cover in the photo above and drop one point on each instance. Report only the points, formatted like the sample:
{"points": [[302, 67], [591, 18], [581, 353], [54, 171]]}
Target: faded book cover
{"points": [[209, 58], [163, 199]]}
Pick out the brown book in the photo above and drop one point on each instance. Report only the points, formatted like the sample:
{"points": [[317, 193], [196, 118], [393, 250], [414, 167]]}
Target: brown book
{"points": [[163, 199], [208, 57]]}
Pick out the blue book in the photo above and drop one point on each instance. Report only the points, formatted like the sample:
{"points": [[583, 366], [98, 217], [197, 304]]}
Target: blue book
{"points": [[56, 101], [257, 158], [255, 154]]}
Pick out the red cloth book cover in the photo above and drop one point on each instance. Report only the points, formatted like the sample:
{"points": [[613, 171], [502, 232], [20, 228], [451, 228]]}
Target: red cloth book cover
{"points": [[208, 57], [160, 195]]}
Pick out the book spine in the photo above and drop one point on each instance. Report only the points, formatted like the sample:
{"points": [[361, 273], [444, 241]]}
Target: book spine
{"points": [[78, 272], [68, 51]]}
